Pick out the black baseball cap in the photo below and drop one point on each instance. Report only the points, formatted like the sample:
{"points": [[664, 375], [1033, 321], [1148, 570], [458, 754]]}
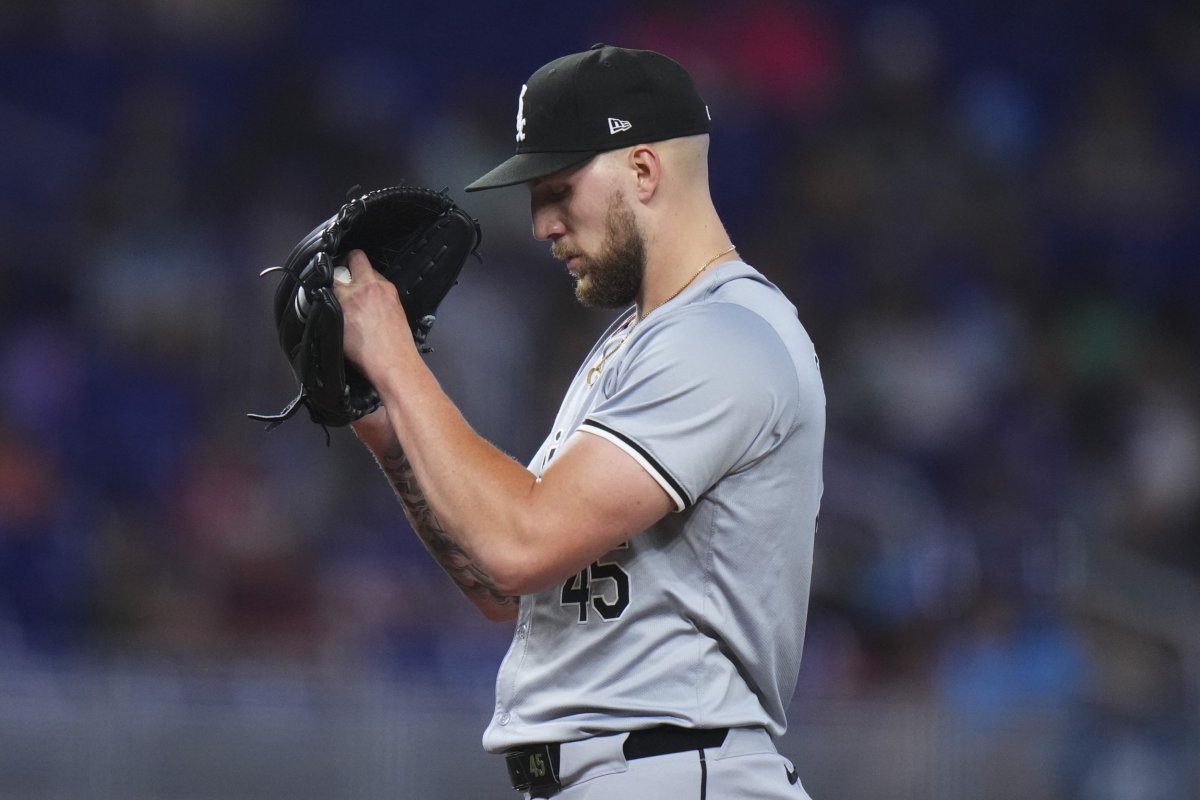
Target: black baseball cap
{"points": [[601, 99]]}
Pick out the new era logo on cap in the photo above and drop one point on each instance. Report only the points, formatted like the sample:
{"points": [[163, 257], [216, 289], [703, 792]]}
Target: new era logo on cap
{"points": [[618, 125]]}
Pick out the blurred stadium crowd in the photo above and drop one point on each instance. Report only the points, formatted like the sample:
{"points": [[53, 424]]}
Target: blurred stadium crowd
{"points": [[986, 214]]}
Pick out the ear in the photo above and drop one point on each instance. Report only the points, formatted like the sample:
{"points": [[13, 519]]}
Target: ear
{"points": [[646, 165]]}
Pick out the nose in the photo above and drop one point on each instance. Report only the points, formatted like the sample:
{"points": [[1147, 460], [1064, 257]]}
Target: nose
{"points": [[547, 222]]}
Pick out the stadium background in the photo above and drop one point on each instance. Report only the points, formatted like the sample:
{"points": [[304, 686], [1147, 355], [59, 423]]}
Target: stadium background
{"points": [[985, 212]]}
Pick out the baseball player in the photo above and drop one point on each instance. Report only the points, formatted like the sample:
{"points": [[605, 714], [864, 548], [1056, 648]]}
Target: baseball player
{"points": [[656, 553]]}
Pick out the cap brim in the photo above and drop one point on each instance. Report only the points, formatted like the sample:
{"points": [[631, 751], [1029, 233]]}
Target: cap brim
{"points": [[525, 167]]}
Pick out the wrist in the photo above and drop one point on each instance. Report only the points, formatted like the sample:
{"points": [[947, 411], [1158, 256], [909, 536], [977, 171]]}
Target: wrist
{"points": [[374, 430]]}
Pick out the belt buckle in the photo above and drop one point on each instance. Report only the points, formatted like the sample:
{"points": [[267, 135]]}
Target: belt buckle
{"points": [[534, 768]]}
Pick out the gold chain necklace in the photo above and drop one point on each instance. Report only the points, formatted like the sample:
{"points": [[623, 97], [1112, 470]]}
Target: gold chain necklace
{"points": [[690, 281], [614, 344]]}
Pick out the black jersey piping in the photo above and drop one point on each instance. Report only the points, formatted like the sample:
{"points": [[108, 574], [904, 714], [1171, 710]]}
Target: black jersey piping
{"points": [[666, 476]]}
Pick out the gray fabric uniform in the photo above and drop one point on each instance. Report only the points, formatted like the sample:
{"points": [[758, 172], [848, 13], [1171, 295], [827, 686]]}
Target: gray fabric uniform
{"points": [[699, 620]]}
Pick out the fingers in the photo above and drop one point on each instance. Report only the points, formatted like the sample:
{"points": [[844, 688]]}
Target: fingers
{"points": [[358, 269], [360, 288], [359, 264], [371, 311]]}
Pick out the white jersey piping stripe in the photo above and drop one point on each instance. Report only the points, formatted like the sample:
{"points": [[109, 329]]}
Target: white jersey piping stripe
{"points": [[673, 489]]}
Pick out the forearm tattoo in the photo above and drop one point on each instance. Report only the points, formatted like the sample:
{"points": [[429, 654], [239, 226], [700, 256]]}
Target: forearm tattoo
{"points": [[456, 562]]}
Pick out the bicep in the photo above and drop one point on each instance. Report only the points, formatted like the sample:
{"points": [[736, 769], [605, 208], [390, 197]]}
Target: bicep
{"points": [[598, 496]]}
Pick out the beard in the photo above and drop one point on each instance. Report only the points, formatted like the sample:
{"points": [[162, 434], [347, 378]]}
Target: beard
{"points": [[613, 277]]}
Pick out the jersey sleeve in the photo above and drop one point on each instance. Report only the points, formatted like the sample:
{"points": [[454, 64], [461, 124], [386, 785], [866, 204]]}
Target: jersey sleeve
{"points": [[702, 392]]}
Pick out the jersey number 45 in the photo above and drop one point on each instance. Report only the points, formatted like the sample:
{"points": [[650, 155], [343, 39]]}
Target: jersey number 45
{"points": [[603, 586]]}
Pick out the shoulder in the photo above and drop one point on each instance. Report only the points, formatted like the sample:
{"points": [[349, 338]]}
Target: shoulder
{"points": [[739, 320], [706, 326], [710, 361]]}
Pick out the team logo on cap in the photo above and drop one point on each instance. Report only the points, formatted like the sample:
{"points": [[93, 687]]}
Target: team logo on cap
{"points": [[521, 114], [618, 125]]}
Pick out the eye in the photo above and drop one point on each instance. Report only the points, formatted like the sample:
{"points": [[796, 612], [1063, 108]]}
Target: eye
{"points": [[550, 193]]}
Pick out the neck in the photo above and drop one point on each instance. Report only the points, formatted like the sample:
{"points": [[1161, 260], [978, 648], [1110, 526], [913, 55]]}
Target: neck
{"points": [[684, 273], [681, 227]]}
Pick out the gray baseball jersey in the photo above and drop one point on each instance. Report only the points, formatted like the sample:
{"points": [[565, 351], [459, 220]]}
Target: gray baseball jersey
{"points": [[699, 620]]}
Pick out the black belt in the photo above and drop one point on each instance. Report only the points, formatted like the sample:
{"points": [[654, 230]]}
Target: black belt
{"points": [[534, 768]]}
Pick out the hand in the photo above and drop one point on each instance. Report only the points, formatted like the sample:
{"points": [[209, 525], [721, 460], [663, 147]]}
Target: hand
{"points": [[376, 335]]}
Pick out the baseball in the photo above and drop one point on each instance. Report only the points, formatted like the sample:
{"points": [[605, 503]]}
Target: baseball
{"points": [[341, 274]]}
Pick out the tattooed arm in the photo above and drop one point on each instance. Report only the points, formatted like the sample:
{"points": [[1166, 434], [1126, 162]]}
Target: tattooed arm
{"points": [[470, 577], [528, 533]]}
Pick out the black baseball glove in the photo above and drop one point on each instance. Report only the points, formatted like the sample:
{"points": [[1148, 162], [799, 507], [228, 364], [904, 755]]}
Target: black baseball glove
{"points": [[416, 238]]}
